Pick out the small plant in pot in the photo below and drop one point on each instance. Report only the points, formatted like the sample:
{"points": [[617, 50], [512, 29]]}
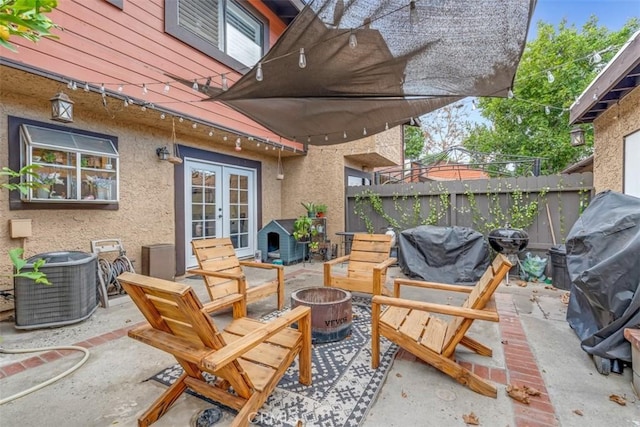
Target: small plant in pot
{"points": [[311, 209], [303, 228], [321, 210]]}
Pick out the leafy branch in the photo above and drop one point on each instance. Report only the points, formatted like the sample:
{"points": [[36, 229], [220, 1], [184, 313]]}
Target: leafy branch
{"points": [[26, 19]]}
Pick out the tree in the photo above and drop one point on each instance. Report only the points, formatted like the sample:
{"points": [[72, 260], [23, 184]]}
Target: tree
{"points": [[555, 68], [439, 130], [25, 18], [413, 142]]}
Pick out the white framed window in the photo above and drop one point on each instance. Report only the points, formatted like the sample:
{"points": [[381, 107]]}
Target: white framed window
{"points": [[229, 31], [71, 167], [631, 183]]}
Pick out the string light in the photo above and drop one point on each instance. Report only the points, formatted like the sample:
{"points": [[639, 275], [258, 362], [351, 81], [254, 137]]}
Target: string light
{"points": [[364, 131], [550, 77], [519, 119], [166, 88], [144, 107], [473, 105], [211, 133], [510, 94], [195, 86], [144, 89], [386, 126], [413, 13], [344, 134], [194, 125], [181, 120], [302, 60], [224, 138], [74, 86], [86, 87], [120, 88], [547, 110], [162, 116], [125, 102], [259, 75], [102, 88], [326, 137], [224, 83], [353, 40], [238, 146]]}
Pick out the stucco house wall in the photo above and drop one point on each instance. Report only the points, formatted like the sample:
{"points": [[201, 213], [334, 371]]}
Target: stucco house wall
{"points": [[610, 129]]}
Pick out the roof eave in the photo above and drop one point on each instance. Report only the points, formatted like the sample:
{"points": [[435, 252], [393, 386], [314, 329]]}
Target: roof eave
{"points": [[602, 90]]}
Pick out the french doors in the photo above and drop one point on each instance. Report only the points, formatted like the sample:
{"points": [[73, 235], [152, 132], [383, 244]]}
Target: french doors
{"points": [[220, 201]]}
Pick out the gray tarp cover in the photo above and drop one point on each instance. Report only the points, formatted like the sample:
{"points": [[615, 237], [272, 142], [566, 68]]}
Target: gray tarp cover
{"points": [[456, 255], [603, 261], [408, 61]]}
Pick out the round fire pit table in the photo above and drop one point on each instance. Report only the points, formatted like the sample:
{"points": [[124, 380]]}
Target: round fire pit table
{"points": [[331, 313]]}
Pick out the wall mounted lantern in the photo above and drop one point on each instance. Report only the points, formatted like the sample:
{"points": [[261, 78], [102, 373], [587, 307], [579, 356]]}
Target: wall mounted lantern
{"points": [[577, 136], [61, 108], [162, 153]]}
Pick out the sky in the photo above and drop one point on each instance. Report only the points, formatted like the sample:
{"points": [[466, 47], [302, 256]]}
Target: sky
{"points": [[611, 13]]}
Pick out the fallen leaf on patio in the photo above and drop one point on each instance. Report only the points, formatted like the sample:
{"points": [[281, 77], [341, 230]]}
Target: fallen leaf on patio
{"points": [[618, 399], [404, 395], [399, 375], [471, 419], [505, 342], [533, 298], [517, 393], [553, 288], [577, 412], [531, 391], [535, 291], [564, 298], [522, 284]]}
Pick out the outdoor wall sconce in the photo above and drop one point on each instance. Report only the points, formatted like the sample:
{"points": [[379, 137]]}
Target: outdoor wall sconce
{"points": [[577, 136], [61, 108], [162, 153]]}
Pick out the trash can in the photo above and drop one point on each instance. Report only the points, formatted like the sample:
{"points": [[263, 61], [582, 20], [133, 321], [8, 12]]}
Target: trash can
{"points": [[559, 272], [71, 297]]}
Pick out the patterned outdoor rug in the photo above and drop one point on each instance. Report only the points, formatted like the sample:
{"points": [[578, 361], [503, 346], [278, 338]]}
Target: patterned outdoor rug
{"points": [[344, 385]]}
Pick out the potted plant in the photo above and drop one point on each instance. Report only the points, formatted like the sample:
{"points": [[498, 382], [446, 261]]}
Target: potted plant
{"points": [[101, 187], [311, 209], [303, 228], [321, 210], [45, 182], [49, 157]]}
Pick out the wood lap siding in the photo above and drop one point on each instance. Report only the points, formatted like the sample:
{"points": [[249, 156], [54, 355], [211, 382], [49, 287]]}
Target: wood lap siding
{"points": [[101, 43], [200, 17]]}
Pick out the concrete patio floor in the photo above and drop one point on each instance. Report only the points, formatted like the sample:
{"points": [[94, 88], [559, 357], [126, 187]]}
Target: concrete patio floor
{"points": [[533, 344]]}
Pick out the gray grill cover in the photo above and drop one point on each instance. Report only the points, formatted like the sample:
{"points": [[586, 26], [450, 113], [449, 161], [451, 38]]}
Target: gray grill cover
{"points": [[406, 64], [603, 261], [456, 255]]}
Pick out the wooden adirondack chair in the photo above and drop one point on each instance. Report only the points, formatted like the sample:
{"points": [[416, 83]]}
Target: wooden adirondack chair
{"points": [[367, 265], [248, 356], [410, 325], [223, 272]]}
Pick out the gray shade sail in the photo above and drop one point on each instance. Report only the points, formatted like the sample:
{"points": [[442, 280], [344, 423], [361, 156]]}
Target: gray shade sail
{"points": [[411, 58]]}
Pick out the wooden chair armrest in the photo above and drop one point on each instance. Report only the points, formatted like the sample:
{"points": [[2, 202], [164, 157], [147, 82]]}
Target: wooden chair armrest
{"points": [[200, 272], [469, 313], [222, 302], [240, 346], [385, 264], [264, 265], [338, 260], [429, 285], [181, 348]]}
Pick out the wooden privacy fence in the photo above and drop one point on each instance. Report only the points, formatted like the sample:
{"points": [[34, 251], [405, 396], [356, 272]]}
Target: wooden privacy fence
{"points": [[545, 206]]}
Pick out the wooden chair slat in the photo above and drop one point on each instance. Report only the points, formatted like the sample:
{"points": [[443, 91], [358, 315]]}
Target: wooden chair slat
{"points": [[414, 324], [434, 334], [286, 338]]}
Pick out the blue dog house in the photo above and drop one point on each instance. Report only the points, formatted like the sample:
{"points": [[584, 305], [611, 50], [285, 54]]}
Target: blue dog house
{"points": [[275, 241]]}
